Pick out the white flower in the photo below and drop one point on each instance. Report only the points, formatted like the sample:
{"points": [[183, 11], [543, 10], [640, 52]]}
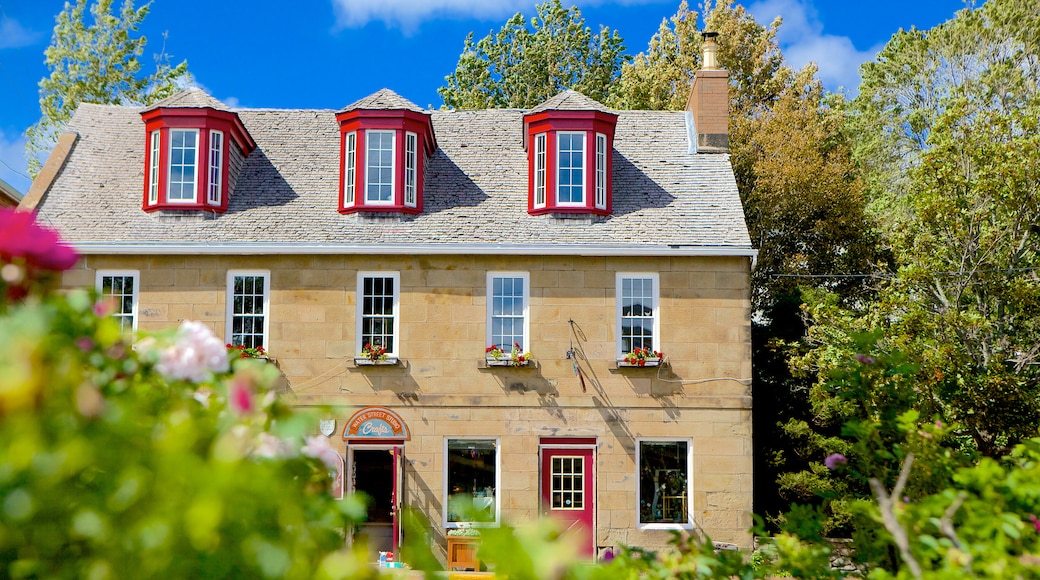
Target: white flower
{"points": [[271, 447], [318, 446], [194, 353]]}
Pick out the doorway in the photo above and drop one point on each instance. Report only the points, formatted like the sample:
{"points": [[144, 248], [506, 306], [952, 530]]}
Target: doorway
{"points": [[568, 491], [376, 472]]}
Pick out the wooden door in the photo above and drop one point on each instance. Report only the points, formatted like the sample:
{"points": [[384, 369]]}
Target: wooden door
{"points": [[569, 492]]}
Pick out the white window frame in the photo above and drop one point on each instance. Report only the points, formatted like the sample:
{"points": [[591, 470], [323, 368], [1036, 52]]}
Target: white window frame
{"points": [[359, 318], [498, 482], [582, 171], [539, 170], [601, 171], [135, 275], [525, 277], [688, 524], [349, 168], [393, 164], [230, 307], [411, 172], [195, 173], [153, 167], [618, 299], [216, 167]]}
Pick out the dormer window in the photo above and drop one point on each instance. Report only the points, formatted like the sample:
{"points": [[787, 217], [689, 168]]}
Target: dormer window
{"points": [[570, 141], [188, 153], [385, 141]]}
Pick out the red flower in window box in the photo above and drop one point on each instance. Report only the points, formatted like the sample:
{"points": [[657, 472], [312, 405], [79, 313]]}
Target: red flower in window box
{"points": [[640, 356], [373, 353]]}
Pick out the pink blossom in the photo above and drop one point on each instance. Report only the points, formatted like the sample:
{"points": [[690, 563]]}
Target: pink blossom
{"points": [[84, 343], [102, 308], [194, 353], [1035, 521], [271, 447], [22, 237], [833, 460], [240, 396], [318, 446]]}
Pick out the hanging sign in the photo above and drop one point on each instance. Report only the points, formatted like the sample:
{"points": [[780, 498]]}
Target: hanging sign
{"points": [[376, 423]]}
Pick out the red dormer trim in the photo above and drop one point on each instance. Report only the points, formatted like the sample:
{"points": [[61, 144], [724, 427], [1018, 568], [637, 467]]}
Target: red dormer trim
{"points": [[365, 130], [211, 133], [546, 135]]}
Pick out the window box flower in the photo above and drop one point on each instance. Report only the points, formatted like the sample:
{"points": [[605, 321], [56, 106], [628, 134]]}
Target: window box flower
{"points": [[242, 351], [374, 356], [516, 357], [641, 357]]}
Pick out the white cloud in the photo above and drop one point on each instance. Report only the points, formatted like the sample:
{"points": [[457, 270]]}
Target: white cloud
{"points": [[408, 13], [13, 35], [14, 169], [803, 41]]}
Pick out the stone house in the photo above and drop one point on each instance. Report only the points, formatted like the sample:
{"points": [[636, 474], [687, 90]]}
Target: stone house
{"points": [[381, 251]]}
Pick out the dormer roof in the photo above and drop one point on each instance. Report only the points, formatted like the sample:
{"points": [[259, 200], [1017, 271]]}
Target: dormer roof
{"points": [[383, 99], [192, 98], [570, 100]]}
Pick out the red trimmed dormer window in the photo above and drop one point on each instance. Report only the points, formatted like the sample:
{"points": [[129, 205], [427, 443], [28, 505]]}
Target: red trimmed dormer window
{"points": [[570, 154], [188, 155], [384, 143]]}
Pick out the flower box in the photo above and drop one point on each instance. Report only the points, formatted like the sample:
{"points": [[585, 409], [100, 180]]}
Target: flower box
{"points": [[364, 361], [506, 361], [646, 362]]}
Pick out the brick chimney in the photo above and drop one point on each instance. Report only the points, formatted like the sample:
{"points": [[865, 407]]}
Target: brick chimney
{"points": [[709, 100]]}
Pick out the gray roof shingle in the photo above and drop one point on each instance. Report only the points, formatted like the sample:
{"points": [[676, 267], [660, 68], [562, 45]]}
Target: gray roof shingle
{"points": [[569, 100], [475, 187], [383, 99], [192, 98]]}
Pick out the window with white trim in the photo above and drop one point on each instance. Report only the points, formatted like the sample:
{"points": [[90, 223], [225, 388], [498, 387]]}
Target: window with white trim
{"points": [[601, 171], [570, 168], [379, 167], [471, 481], [118, 290], [153, 167], [508, 320], [410, 157], [349, 169], [638, 319], [378, 304], [184, 162], [248, 304], [663, 483], [539, 170], [216, 156]]}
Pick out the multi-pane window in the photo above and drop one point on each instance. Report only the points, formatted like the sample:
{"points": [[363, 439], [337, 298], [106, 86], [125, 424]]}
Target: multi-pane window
{"points": [[349, 169], [379, 164], [570, 168], [539, 170], [183, 163], [118, 291], [377, 320], [216, 156], [153, 168], [601, 171], [637, 313], [507, 311], [410, 169], [248, 300], [568, 479], [664, 481], [471, 480]]}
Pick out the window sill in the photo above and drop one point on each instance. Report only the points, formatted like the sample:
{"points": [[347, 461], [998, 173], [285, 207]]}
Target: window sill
{"points": [[645, 363], [390, 361], [505, 362]]}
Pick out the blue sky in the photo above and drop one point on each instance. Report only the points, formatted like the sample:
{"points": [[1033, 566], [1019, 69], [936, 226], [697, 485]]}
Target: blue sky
{"points": [[327, 53]]}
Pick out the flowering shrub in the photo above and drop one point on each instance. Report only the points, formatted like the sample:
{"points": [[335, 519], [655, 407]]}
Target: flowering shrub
{"points": [[517, 356], [243, 351], [373, 353], [639, 355]]}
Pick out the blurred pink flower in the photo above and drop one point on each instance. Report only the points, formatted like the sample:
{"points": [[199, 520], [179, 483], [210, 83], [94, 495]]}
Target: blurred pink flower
{"points": [[318, 446], [271, 447], [240, 395], [22, 237], [194, 353], [834, 459]]}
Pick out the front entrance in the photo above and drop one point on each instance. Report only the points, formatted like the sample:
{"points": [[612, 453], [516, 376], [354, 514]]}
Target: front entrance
{"points": [[376, 472], [568, 483]]}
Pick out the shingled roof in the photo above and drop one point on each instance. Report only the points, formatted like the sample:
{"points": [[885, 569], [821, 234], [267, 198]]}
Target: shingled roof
{"points": [[569, 100], [476, 188], [192, 98], [383, 99]]}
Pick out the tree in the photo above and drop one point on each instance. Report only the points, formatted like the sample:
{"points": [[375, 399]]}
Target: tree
{"points": [[525, 64], [99, 63]]}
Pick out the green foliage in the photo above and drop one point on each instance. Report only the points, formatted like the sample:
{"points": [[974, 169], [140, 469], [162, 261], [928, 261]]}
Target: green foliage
{"points": [[96, 63], [526, 63]]}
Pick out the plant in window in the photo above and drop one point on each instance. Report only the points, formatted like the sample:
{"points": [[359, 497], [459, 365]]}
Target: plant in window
{"points": [[375, 353], [516, 356], [243, 351], [639, 356]]}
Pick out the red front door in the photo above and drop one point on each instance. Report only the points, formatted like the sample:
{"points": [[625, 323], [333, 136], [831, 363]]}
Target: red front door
{"points": [[569, 492]]}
